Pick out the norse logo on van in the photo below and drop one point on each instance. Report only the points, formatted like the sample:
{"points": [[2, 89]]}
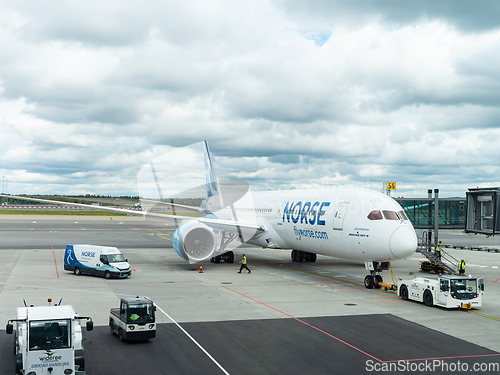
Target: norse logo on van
{"points": [[88, 254], [305, 213]]}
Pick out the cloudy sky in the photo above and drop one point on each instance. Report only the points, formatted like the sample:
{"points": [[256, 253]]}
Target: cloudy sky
{"points": [[287, 93]]}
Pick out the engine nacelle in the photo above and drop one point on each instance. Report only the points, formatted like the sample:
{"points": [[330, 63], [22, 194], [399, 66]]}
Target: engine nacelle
{"points": [[194, 241]]}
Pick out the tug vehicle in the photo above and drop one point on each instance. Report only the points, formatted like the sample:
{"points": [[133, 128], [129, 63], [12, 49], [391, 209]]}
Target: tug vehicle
{"points": [[48, 340], [134, 320], [450, 291]]}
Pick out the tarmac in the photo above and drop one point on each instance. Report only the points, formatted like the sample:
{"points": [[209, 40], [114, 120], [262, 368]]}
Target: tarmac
{"points": [[283, 318]]}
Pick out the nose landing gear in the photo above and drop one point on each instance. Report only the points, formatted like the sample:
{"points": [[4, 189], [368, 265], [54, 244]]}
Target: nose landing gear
{"points": [[374, 279]]}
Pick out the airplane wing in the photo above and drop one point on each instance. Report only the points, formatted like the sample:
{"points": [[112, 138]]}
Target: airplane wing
{"points": [[220, 225], [174, 205]]}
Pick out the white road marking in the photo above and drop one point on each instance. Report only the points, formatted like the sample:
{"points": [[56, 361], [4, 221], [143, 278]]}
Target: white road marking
{"points": [[193, 340]]}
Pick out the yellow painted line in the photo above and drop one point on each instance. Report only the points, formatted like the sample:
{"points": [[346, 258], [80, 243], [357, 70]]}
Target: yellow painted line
{"points": [[34, 222], [319, 275], [357, 284], [484, 316], [326, 277], [83, 229]]}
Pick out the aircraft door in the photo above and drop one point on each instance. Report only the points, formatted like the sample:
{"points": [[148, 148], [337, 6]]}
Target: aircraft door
{"points": [[338, 219]]}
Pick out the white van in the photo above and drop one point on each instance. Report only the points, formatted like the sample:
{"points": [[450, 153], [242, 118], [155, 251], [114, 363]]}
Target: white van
{"points": [[102, 261]]}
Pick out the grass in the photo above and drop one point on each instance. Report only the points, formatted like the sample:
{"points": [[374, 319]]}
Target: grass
{"points": [[83, 212], [59, 212]]}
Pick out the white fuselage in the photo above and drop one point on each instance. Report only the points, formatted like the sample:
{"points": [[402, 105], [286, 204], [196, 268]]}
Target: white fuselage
{"points": [[351, 223]]}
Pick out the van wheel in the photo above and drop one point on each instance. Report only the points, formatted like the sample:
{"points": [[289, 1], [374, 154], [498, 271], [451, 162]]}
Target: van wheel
{"points": [[120, 335], [107, 275], [77, 271]]}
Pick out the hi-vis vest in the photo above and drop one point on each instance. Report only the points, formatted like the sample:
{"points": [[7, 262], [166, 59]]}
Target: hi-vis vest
{"points": [[244, 260], [461, 266]]}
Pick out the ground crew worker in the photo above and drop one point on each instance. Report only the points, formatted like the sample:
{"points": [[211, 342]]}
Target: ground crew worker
{"points": [[438, 250], [461, 267], [134, 317], [244, 264]]}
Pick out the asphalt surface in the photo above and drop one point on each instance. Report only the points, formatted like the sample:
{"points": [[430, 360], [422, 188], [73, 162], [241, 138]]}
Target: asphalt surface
{"points": [[283, 318], [326, 345], [45, 232]]}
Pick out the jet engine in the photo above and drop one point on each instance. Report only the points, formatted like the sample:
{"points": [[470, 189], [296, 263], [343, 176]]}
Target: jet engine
{"points": [[194, 241]]}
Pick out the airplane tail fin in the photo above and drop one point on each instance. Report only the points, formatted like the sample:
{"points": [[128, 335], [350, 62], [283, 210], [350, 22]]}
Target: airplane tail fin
{"points": [[212, 184]]}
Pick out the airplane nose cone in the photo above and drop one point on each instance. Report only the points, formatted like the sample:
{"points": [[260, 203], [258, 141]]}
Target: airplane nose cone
{"points": [[403, 242]]}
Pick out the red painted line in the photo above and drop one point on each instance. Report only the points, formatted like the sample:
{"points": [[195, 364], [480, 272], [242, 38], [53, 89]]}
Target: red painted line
{"points": [[452, 357], [307, 324], [55, 261], [352, 346], [380, 297], [495, 281]]}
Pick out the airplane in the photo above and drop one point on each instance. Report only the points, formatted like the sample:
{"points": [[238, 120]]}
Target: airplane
{"points": [[350, 223]]}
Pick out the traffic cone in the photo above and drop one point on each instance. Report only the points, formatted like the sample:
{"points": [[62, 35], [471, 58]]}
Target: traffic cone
{"points": [[201, 269]]}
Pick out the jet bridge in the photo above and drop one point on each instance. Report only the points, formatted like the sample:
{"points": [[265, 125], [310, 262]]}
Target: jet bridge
{"points": [[482, 211]]}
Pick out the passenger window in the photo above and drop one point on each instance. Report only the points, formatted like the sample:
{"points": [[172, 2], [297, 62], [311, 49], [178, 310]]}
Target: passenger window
{"points": [[391, 215], [375, 215]]}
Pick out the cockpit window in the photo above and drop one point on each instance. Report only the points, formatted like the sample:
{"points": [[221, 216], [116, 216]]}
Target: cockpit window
{"points": [[391, 215], [402, 215], [375, 215]]}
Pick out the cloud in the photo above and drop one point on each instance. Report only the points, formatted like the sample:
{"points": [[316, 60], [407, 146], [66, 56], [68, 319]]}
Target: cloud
{"points": [[286, 93]]}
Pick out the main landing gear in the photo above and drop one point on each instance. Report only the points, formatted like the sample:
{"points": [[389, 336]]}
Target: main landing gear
{"points": [[227, 257], [303, 256], [374, 279]]}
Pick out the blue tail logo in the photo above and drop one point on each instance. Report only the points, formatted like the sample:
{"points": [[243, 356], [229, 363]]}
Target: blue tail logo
{"points": [[212, 188]]}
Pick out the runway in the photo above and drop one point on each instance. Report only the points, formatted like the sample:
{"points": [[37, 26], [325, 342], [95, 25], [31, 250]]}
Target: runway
{"points": [[18, 232], [284, 317]]}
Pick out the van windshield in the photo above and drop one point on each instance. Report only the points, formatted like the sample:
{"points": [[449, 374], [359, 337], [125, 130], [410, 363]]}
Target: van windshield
{"points": [[49, 334], [114, 258]]}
